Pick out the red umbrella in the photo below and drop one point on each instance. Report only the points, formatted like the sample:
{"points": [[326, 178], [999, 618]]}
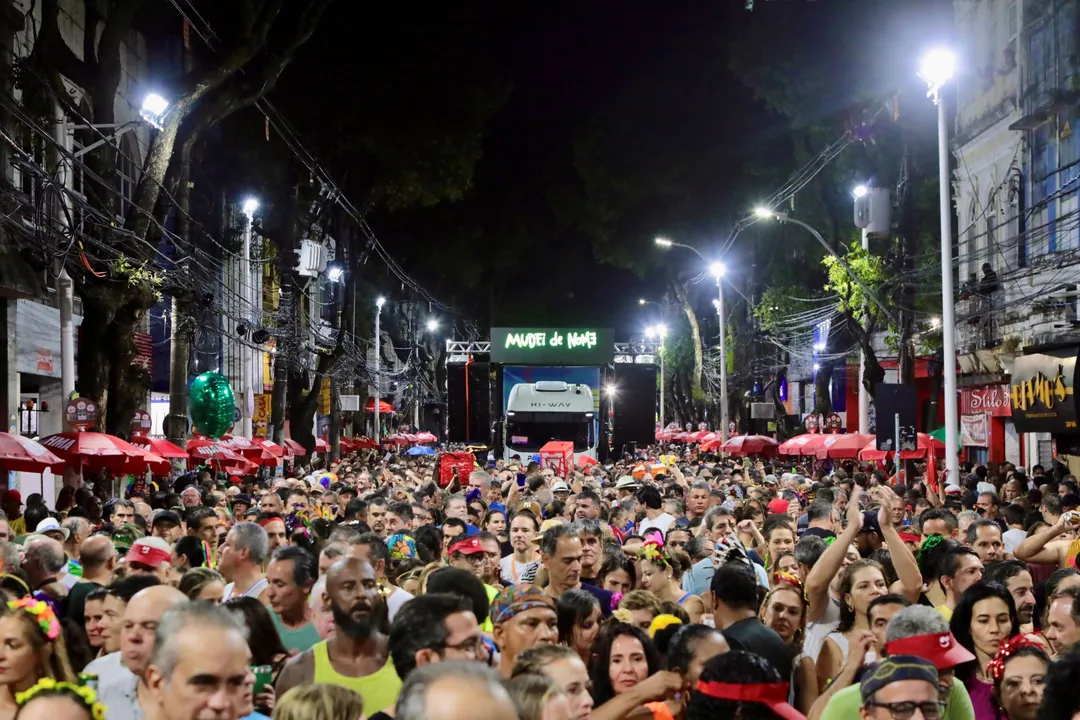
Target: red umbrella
{"points": [[294, 447], [807, 444], [750, 445], [93, 450], [158, 446], [269, 446], [682, 437], [924, 443], [24, 455], [321, 445], [700, 436], [397, 439], [241, 470], [346, 444], [363, 442], [426, 437], [384, 407], [711, 445], [214, 454], [839, 447]]}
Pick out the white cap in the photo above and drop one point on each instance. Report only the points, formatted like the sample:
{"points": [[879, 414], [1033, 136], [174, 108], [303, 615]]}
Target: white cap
{"points": [[50, 524]]}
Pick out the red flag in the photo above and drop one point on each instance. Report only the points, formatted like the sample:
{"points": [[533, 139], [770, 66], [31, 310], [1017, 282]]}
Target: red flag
{"points": [[931, 474]]}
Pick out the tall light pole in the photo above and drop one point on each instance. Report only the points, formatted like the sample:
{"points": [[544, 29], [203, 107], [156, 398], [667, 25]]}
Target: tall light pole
{"points": [[248, 208], [717, 270], [862, 191], [661, 332], [378, 389], [937, 69]]}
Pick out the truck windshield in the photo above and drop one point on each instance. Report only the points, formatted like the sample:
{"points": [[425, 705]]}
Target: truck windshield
{"points": [[531, 436]]}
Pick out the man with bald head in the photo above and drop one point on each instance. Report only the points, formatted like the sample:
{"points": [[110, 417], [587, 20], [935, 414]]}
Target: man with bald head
{"points": [[98, 559], [121, 685], [357, 655], [454, 690]]}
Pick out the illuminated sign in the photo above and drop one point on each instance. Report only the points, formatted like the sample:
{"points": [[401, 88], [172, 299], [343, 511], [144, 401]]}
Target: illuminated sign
{"points": [[1042, 393], [553, 346]]}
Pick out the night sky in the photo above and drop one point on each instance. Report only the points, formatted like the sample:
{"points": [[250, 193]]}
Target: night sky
{"points": [[649, 82]]}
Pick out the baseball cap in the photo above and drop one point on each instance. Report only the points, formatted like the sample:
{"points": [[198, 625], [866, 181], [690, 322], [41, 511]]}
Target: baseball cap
{"points": [[896, 668], [941, 649], [165, 516], [953, 490], [242, 498], [986, 487], [770, 479], [870, 522], [51, 525], [778, 506], [772, 695], [468, 546], [560, 486], [152, 551]]}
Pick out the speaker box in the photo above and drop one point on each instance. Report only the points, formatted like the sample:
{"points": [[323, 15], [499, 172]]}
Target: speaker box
{"points": [[634, 406], [468, 403]]}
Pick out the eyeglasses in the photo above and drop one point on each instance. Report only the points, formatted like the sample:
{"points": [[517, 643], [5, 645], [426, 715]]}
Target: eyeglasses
{"points": [[906, 710], [474, 646]]}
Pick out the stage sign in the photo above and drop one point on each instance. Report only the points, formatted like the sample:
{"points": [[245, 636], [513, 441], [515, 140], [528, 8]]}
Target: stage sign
{"points": [[553, 346]]}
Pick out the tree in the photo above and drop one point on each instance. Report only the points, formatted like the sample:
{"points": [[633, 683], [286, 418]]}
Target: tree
{"points": [[262, 38]]}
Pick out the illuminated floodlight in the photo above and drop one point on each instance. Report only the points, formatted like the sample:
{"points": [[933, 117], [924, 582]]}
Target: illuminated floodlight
{"points": [[432, 325], [717, 270], [380, 302], [860, 191], [663, 242], [250, 206]]}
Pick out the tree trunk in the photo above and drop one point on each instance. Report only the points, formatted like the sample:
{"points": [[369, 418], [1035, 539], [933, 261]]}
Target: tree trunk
{"points": [[822, 397], [696, 392]]}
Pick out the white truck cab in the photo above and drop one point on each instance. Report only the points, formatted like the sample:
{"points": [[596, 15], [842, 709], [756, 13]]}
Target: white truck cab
{"points": [[540, 412]]}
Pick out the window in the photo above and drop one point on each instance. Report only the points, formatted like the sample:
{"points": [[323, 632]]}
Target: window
{"points": [[1012, 21], [971, 238], [125, 177], [991, 232]]}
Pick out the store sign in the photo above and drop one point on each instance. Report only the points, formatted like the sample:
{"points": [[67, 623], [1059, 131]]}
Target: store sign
{"points": [[992, 399], [975, 430], [38, 328], [141, 423], [553, 346], [1042, 393], [81, 413]]}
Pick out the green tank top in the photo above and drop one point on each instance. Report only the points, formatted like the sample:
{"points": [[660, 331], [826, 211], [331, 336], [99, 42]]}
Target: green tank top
{"points": [[379, 689]]}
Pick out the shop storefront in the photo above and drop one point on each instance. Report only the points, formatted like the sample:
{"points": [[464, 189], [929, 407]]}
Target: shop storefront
{"points": [[1043, 405], [987, 431]]}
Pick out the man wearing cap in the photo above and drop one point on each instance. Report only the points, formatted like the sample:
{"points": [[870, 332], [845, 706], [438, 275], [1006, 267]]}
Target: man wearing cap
{"points": [[240, 506], [917, 630], [900, 682], [149, 556], [523, 616], [167, 526], [468, 554]]}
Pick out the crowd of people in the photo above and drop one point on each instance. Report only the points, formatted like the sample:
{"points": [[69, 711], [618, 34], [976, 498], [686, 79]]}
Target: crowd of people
{"points": [[700, 589]]}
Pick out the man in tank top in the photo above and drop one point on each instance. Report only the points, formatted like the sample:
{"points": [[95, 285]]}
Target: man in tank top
{"points": [[357, 656]]}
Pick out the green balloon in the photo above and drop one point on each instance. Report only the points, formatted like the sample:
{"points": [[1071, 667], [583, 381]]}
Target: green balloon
{"points": [[211, 403]]}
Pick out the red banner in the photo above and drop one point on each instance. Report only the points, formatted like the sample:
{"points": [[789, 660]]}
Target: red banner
{"points": [[992, 399]]}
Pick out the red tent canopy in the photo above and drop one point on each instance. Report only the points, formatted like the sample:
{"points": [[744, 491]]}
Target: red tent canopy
{"points": [[158, 446], [925, 445], [215, 454], [24, 455], [839, 447], [750, 445], [807, 444], [384, 407], [97, 451], [321, 445], [294, 448]]}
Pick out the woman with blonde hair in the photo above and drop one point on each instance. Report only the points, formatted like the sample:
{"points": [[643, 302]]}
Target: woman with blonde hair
{"points": [[319, 701], [31, 648], [538, 697], [639, 608], [202, 584]]}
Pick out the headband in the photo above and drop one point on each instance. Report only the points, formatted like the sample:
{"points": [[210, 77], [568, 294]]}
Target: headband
{"points": [[745, 692], [996, 668], [43, 614], [82, 693]]}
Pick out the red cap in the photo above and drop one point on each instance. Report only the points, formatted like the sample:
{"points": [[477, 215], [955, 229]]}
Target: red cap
{"points": [[778, 506], [468, 546], [942, 649], [771, 695], [14, 495], [146, 554]]}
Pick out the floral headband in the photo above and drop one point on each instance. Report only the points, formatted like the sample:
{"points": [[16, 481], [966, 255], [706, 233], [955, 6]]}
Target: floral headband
{"points": [[80, 693], [654, 553], [46, 618], [996, 668]]}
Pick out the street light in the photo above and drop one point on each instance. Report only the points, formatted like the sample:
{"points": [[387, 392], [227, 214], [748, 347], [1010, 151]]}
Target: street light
{"points": [[432, 325], [250, 362], [764, 213], [717, 270], [937, 69], [935, 322], [860, 191], [334, 273], [378, 340], [250, 206], [153, 107]]}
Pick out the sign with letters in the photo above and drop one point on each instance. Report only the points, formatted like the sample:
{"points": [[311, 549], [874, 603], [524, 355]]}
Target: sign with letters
{"points": [[1042, 393], [553, 346], [992, 399]]}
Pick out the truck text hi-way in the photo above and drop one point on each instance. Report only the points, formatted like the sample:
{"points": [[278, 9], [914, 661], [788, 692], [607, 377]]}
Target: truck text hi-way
{"points": [[537, 413]]}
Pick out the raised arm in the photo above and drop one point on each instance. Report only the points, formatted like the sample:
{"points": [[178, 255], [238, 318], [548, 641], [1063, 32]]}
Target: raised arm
{"points": [[1036, 549], [907, 567], [828, 565]]}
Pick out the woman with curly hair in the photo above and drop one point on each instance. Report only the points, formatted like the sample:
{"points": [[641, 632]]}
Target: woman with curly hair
{"points": [[638, 608], [661, 574], [32, 649]]}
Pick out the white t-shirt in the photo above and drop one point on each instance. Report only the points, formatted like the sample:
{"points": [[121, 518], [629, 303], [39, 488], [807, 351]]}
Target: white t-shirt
{"points": [[512, 572], [397, 598], [661, 522], [1012, 539]]}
